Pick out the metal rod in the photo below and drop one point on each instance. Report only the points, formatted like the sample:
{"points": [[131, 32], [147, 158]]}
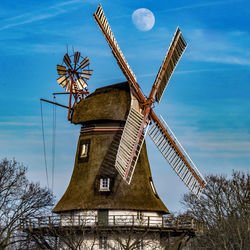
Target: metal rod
{"points": [[63, 93], [58, 104], [70, 96]]}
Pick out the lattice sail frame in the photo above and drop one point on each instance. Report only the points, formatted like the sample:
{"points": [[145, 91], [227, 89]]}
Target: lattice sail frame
{"points": [[131, 143], [177, 157], [175, 51], [108, 34]]}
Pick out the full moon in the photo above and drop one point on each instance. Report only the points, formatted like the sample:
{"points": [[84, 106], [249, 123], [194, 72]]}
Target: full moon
{"points": [[143, 19]]}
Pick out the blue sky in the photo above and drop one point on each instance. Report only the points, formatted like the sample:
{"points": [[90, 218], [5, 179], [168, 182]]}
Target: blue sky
{"points": [[206, 103]]}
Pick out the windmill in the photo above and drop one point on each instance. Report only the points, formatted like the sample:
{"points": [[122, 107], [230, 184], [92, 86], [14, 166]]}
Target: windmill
{"points": [[111, 190], [73, 76], [138, 121]]}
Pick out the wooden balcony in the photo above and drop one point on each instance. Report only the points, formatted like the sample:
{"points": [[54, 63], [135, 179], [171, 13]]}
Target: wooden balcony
{"points": [[81, 222]]}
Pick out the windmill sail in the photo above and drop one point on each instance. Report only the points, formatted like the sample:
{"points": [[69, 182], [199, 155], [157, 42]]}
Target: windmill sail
{"points": [[176, 156], [67, 60], [61, 70], [130, 144], [76, 57], [105, 28], [84, 63], [175, 51], [134, 131]]}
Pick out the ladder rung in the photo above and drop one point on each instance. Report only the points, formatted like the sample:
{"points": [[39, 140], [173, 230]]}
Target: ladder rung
{"points": [[171, 151], [167, 149], [176, 162], [172, 157]]}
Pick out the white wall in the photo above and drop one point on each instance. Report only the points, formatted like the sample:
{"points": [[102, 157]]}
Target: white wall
{"points": [[115, 217]]}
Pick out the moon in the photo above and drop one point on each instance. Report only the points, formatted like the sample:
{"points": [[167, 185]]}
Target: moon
{"points": [[143, 19]]}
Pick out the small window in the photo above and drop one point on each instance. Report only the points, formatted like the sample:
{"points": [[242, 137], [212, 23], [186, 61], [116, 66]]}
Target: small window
{"points": [[139, 215], [83, 154], [103, 242], [105, 184], [153, 187], [84, 151]]}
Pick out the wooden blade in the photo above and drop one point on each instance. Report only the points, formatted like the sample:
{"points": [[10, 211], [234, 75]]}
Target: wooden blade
{"points": [[86, 73], [78, 84], [82, 83], [130, 145], [66, 83], [76, 57], [75, 86], [63, 80], [176, 156], [67, 60], [175, 51], [123, 64], [68, 86], [84, 63], [61, 70]]}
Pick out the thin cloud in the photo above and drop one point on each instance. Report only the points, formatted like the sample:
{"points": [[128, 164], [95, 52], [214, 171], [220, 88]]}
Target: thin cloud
{"points": [[226, 146], [30, 19], [218, 47], [43, 14], [19, 124], [223, 59], [184, 72], [194, 6]]}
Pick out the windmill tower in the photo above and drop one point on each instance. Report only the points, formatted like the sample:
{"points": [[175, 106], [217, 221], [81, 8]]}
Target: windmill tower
{"points": [[111, 188]]}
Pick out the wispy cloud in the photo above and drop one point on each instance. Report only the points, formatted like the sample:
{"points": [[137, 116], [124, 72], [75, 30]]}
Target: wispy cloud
{"points": [[227, 59], [185, 7], [42, 14], [204, 45], [29, 18], [219, 47], [210, 131], [19, 124], [185, 72], [199, 5]]}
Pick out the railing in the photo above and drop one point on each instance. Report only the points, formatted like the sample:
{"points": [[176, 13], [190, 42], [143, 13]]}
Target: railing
{"points": [[163, 222]]}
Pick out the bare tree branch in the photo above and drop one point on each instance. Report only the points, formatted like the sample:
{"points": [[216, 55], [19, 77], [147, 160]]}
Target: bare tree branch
{"points": [[19, 198], [224, 211]]}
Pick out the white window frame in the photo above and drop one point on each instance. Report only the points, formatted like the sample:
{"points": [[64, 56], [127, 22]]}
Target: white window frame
{"points": [[84, 150], [104, 184], [153, 187], [139, 215]]}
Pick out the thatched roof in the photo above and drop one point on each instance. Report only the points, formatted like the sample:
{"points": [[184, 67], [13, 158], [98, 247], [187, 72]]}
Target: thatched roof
{"points": [[107, 103], [83, 191]]}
